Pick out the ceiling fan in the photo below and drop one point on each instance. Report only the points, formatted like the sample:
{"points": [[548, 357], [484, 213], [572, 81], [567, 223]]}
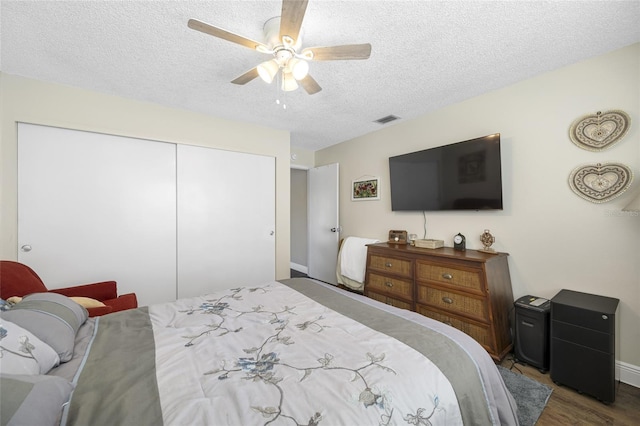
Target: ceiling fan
{"points": [[283, 40]]}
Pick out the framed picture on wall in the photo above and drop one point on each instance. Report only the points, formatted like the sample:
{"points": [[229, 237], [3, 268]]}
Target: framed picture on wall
{"points": [[365, 189]]}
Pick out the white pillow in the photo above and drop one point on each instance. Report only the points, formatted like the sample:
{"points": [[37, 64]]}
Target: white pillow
{"points": [[53, 318], [23, 353]]}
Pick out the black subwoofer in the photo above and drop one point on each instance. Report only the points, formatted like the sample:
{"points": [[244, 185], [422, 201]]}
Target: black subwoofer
{"points": [[532, 331]]}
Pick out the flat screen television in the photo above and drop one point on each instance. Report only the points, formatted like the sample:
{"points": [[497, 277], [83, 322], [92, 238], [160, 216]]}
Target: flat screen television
{"points": [[461, 176]]}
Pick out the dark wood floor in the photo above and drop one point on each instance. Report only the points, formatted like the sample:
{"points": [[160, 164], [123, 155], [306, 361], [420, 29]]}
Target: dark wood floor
{"points": [[568, 407]]}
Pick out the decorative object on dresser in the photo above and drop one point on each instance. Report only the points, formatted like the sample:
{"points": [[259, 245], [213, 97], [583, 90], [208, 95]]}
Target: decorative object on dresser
{"points": [[599, 131], [398, 237], [428, 243], [459, 242], [468, 290], [487, 240], [583, 343], [600, 182]]}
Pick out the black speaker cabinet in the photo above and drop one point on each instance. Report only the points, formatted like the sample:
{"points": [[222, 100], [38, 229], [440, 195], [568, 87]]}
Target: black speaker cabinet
{"points": [[532, 332], [583, 337]]}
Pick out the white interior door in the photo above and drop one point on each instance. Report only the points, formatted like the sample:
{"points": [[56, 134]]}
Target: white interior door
{"points": [[95, 207], [323, 222], [226, 220]]}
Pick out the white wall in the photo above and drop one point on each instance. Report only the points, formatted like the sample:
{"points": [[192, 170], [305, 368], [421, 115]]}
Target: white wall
{"points": [[31, 101], [555, 239]]}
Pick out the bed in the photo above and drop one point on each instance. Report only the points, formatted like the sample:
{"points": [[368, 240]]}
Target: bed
{"points": [[292, 352]]}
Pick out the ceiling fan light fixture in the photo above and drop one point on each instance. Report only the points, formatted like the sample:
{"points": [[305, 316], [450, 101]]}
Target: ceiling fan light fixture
{"points": [[299, 68], [307, 54], [268, 70], [283, 39], [289, 83], [264, 49], [288, 42]]}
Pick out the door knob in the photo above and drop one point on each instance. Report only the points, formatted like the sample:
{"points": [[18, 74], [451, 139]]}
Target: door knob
{"points": [[336, 229], [26, 248]]}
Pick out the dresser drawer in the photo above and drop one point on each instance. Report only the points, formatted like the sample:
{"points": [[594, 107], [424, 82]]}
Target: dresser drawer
{"points": [[390, 301], [478, 331], [449, 275], [394, 265], [392, 286], [453, 302]]}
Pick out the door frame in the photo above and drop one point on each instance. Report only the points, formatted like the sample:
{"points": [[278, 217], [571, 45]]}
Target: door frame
{"points": [[295, 266]]}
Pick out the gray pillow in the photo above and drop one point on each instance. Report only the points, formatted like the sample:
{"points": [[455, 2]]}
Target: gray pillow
{"points": [[32, 400], [53, 318]]}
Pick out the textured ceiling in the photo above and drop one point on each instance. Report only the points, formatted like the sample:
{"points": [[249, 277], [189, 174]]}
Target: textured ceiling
{"points": [[425, 54]]}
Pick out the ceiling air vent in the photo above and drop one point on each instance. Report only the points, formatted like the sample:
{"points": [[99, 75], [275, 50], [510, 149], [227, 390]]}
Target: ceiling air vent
{"points": [[387, 119]]}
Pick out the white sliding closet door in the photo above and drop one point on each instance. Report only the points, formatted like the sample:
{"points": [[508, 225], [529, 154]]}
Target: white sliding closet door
{"points": [[95, 207], [226, 219]]}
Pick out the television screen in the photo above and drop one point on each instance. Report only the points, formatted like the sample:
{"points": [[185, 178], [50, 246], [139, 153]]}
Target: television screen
{"points": [[461, 176]]}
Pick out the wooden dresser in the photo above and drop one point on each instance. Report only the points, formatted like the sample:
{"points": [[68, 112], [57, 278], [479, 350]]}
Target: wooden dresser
{"points": [[468, 290]]}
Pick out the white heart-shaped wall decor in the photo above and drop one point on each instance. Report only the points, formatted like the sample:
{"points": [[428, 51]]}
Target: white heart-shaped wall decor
{"points": [[595, 132], [600, 183]]}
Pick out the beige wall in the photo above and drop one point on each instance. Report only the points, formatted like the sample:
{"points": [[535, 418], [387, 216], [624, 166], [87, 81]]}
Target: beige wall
{"points": [[299, 218], [555, 239], [302, 158], [37, 102]]}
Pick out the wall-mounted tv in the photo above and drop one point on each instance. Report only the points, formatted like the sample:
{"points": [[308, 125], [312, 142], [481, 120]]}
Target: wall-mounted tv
{"points": [[461, 176]]}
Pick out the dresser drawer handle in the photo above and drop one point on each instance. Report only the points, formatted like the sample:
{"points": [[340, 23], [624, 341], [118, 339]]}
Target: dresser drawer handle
{"points": [[447, 300], [447, 276], [388, 265], [388, 284]]}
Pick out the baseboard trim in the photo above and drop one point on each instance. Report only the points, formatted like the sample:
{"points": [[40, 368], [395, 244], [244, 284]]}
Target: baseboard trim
{"points": [[628, 373], [299, 268]]}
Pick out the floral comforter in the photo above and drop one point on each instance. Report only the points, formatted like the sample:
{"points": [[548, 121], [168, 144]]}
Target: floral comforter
{"points": [[272, 355]]}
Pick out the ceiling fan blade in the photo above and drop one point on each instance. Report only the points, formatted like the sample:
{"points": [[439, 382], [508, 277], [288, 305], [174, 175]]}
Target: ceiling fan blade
{"points": [[291, 18], [334, 53], [194, 24], [246, 77], [310, 85]]}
